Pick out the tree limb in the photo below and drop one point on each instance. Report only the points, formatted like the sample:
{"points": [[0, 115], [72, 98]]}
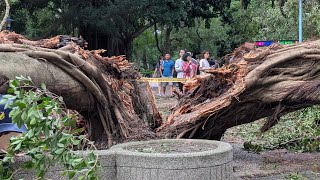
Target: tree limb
{"points": [[6, 15], [140, 31]]}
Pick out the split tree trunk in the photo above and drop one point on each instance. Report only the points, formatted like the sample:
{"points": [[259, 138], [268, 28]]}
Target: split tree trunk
{"points": [[103, 90], [267, 82]]}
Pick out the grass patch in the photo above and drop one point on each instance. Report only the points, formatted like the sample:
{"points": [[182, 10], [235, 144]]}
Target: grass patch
{"points": [[297, 131]]}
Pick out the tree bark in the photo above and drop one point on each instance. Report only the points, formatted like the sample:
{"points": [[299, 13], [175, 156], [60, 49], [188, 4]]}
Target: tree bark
{"points": [[6, 14], [167, 39], [266, 82], [104, 90]]}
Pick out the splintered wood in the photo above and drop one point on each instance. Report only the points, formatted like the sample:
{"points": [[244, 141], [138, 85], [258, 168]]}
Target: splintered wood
{"points": [[117, 107], [264, 82]]}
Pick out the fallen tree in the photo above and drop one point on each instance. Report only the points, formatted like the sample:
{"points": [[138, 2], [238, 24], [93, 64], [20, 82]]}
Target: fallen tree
{"points": [[103, 90], [265, 82]]}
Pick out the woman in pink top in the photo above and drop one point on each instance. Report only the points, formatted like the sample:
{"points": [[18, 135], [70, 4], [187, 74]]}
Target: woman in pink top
{"points": [[188, 67]]}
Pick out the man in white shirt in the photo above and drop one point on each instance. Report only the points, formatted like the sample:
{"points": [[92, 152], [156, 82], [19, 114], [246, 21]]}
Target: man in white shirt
{"points": [[178, 67]]}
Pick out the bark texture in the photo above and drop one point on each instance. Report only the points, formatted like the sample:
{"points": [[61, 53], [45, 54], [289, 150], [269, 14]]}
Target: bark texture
{"points": [[104, 90], [265, 82]]}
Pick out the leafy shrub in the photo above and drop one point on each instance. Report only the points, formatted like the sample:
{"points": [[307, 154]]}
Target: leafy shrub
{"points": [[51, 136], [297, 131]]}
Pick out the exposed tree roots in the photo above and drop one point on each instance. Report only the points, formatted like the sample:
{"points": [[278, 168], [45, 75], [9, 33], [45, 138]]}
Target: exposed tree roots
{"points": [[265, 82], [105, 90]]}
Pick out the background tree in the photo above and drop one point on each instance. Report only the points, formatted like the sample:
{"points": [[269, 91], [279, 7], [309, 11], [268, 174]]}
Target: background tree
{"points": [[110, 24]]}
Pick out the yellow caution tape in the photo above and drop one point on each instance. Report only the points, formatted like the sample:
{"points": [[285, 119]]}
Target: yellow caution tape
{"points": [[163, 79]]}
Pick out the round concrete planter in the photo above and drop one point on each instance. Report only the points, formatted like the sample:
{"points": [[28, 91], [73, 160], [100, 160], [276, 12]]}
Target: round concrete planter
{"points": [[212, 163]]}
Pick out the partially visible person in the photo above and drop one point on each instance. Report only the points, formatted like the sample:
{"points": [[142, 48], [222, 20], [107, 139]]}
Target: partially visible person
{"points": [[7, 128], [189, 68], [178, 68], [194, 61], [204, 63], [167, 72], [213, 63], [157, 73]]}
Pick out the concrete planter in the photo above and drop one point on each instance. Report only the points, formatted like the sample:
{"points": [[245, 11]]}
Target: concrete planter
{"points": [[106, 159], [214, 163], [121, 163]]}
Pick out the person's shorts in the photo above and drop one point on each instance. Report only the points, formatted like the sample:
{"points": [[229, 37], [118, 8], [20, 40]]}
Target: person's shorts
{"points": [[164, 84]]}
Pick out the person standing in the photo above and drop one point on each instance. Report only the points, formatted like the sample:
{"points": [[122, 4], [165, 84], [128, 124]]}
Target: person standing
{"points": [[157, 73], [194, 61], [204, 63], [167, 72], [178, 68], [189, 68]]}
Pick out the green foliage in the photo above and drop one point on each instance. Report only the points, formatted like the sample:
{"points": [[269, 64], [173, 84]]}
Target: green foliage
{"points": [[294, 176], [146, 44], [51, 135], [298, 131], [200, 38]]}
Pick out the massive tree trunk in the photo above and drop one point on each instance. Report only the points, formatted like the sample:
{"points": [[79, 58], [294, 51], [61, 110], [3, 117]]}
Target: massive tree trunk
{"points": [[267, 82], [104, 90]]}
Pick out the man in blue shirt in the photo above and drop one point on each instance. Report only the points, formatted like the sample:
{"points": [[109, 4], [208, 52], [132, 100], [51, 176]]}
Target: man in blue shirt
{"points": [[167, 72]]}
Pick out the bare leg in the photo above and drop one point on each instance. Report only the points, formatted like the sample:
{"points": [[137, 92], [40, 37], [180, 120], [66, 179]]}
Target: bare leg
{"points": [[164, 90], [159, 88], [171, 90]]}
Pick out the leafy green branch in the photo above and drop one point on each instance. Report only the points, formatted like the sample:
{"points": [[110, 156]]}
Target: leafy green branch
{"points": [[52, 133]]}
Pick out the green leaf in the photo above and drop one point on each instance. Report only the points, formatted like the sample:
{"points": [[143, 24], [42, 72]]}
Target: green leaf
{"points": [[43, 87], [11, 90], [28, 165], [3, 101], [60, 145], [7, 159], [18, 147], [8, 96], [24, 115], [30, 133], [59, 151], [14, 83], [33, 121], [71, 174], [20, 104]]}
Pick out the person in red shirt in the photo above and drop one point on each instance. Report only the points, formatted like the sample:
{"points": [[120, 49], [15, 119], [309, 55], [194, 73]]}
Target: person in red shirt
{"points": [[188, 67]]}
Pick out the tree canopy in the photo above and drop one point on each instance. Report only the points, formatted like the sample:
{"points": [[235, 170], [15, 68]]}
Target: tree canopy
{"points": [[117, 26], [108, 24]]}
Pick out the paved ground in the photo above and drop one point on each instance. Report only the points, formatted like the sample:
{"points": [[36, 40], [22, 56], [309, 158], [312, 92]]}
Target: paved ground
{"points": [[275, 165]]}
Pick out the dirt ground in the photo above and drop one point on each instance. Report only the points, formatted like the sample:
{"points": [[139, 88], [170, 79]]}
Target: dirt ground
{"points": [[270, 165]]}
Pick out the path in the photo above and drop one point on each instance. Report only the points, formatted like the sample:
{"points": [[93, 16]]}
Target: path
{"points": [[272, 165]]}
